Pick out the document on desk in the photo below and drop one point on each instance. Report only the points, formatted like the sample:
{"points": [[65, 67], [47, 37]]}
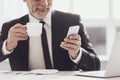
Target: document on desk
{"points": [[44, 71], [32, 72]]}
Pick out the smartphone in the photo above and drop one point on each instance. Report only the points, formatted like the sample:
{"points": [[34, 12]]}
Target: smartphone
{"points": [[73, 30]]}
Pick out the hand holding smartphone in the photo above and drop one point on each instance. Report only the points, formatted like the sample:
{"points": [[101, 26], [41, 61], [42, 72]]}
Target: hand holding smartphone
{"points": [[73, 30]]}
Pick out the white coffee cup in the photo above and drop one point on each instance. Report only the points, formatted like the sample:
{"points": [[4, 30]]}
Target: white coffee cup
{"points": [[34, 29]]}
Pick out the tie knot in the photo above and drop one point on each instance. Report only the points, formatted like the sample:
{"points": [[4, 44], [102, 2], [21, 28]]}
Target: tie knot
{"points": [[43, 22]]}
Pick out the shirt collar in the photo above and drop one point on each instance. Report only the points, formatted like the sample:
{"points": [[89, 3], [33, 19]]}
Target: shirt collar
{"points": [[47, 19]]}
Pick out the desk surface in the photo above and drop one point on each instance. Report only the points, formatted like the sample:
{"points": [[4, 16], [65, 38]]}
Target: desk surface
{"points": [[61, 75]]}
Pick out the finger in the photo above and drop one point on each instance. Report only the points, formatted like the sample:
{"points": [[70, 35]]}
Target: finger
{"points": [[20, 35], [20, 26], [22, 38], [64, 47], [75, 37], [20, 31], [75, 42], [69, 46]]}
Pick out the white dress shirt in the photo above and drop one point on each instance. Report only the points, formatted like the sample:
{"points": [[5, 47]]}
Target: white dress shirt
{"points": [[36, 58]]}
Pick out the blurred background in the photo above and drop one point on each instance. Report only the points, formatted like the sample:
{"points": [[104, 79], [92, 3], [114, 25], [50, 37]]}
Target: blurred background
{"points": [[100, 17]]}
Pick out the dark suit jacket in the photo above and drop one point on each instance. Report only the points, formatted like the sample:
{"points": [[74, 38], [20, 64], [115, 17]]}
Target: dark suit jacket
{"points": [[60, 24]]}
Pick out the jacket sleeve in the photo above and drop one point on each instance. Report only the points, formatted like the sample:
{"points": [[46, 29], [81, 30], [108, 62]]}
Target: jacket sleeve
{"points": [[89, 60], [3, 36]]}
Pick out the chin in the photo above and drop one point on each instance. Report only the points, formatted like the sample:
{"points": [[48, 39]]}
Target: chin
{"points": [[40, 17]]}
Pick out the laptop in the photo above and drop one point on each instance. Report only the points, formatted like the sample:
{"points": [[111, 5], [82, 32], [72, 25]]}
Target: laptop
{"points": [[113, 65]]}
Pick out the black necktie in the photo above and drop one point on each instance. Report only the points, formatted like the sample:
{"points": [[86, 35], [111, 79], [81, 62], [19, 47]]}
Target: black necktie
{"points": [[45, 47]]}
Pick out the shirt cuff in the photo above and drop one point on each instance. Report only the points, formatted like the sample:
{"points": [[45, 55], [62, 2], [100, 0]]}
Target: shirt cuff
{"points": [[4, 50], [77, 60]]}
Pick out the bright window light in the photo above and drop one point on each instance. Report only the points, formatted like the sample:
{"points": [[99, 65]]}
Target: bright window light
{"points": [[92, 9], [62, 5], [116, 8]]}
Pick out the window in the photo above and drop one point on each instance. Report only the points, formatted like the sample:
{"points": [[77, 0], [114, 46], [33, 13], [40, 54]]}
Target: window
{"points": [[99, 40], [62, 5], [12, 10], [116, 8], [92, 9]]}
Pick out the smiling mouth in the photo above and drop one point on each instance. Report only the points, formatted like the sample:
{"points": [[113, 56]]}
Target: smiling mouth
{"points": [[41, 10]]}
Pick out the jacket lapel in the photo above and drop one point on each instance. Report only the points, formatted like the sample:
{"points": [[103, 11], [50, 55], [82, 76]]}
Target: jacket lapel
{"points": [[57, 37]]}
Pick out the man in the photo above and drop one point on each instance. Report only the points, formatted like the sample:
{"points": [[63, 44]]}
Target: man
{"points": [[72, 53]]}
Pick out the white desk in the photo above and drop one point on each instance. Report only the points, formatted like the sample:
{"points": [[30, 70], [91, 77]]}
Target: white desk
{"points": [[62, 75]]}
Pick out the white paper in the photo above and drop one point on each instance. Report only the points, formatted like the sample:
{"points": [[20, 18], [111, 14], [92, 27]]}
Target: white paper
{"points": [[44, 71]]}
